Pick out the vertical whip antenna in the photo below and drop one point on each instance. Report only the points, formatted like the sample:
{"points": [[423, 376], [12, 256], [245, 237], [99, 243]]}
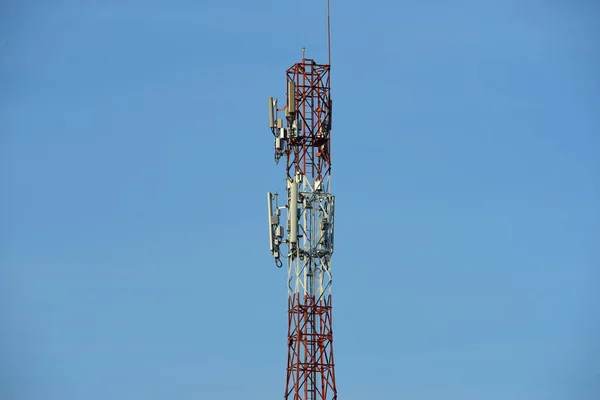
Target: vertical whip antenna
{"points": [[328, 33]]}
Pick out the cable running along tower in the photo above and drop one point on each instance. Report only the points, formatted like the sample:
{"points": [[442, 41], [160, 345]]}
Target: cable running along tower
{"points": [[304, 240]]}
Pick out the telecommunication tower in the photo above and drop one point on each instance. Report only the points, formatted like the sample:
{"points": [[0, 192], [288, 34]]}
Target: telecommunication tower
{"points": [[305, 241]]}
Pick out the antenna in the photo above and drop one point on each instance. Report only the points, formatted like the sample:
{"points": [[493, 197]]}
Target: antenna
{"points": [[270, 208], [328, 34]]}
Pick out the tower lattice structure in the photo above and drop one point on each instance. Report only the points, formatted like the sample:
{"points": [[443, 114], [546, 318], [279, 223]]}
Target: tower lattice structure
{"points": [[302, 138]]}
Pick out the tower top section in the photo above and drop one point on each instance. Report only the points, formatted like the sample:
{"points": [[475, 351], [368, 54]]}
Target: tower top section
{"points": [[304, 138]]}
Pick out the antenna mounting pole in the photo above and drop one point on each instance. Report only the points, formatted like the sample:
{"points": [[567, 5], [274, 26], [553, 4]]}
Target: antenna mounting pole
{"points": [[328, 34]]}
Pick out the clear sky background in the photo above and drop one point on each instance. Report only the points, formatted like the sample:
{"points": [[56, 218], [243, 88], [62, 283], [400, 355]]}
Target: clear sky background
{"points": [[135, 155]]}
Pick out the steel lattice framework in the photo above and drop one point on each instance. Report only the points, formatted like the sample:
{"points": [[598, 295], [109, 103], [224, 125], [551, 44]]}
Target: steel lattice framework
{"points": [[308, 152], [304, 140]]}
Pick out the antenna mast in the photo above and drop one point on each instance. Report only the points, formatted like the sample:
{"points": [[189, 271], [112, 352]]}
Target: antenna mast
{"points": [[305, 239], [328, 33]]}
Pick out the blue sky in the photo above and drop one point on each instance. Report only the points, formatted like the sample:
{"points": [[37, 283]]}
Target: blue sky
{"points": [[135, 156]]}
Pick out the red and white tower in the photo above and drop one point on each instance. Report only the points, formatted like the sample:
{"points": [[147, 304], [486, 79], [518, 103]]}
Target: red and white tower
{"points": [[305, 241]]}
